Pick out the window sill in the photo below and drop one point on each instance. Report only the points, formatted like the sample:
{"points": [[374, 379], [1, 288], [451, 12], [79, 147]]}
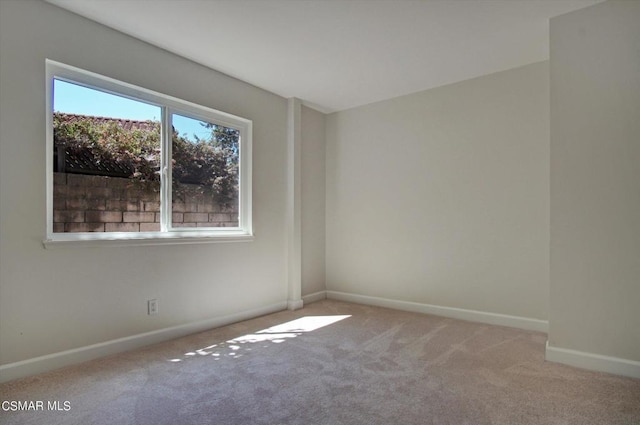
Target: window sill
{"points": [[115, 239]]}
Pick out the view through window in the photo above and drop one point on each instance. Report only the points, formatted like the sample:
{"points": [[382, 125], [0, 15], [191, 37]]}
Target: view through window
{"points": [[116, 170]]}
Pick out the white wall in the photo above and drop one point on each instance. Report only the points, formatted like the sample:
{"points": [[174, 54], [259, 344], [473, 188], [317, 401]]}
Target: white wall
{"points": [[595, 181], [313, 201], [54, 300], [442, 197]]}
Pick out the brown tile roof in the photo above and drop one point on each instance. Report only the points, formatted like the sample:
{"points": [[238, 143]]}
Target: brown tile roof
{"points": [[124, 123]]}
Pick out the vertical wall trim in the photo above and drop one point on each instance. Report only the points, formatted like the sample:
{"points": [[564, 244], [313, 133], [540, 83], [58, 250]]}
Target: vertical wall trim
{"points": [[294, 204]]}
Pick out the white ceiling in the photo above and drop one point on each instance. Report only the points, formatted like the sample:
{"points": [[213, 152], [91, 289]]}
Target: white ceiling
{"points": [[337, 54]]}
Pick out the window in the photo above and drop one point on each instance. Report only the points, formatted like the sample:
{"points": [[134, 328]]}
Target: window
{"points": [[129, 164]]}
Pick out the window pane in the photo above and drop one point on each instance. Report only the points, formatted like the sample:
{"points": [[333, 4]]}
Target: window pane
{"points": [[106, 162], [204, 174]]}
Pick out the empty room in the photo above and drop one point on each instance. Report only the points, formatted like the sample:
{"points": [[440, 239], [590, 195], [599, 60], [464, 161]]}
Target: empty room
{"points": [[320, 212]]}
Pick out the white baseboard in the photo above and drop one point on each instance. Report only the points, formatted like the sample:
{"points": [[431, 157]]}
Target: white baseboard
{"points": [[49, 362], [455, 313], [592, 361], [295, 304], [316, 296]]}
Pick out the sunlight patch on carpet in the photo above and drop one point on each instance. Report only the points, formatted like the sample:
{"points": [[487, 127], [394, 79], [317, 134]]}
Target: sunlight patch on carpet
{"points": [[277, 334]]}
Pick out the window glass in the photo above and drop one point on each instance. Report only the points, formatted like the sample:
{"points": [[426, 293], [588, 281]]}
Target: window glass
{"points": [[127, 163], [204, 170], [106, 162]]}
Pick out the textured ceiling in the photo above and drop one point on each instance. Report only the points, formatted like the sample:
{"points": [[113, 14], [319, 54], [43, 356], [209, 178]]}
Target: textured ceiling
{"points": [[337, 54]]}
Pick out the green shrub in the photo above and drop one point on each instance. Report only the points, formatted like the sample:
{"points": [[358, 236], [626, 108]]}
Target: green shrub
{"points": [[210, 163]]}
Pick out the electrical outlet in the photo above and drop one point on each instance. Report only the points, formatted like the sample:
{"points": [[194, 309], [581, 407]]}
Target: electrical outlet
{"points": [[152, 307]]}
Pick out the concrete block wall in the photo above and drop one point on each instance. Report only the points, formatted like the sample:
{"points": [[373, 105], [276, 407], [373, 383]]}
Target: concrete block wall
{"points": [[83, 203]]}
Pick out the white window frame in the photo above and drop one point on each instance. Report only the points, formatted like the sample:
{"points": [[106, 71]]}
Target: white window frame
{"points": [[169, 105]]}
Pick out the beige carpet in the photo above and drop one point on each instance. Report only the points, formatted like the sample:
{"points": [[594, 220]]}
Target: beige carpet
{"points": [[376, 366]]}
